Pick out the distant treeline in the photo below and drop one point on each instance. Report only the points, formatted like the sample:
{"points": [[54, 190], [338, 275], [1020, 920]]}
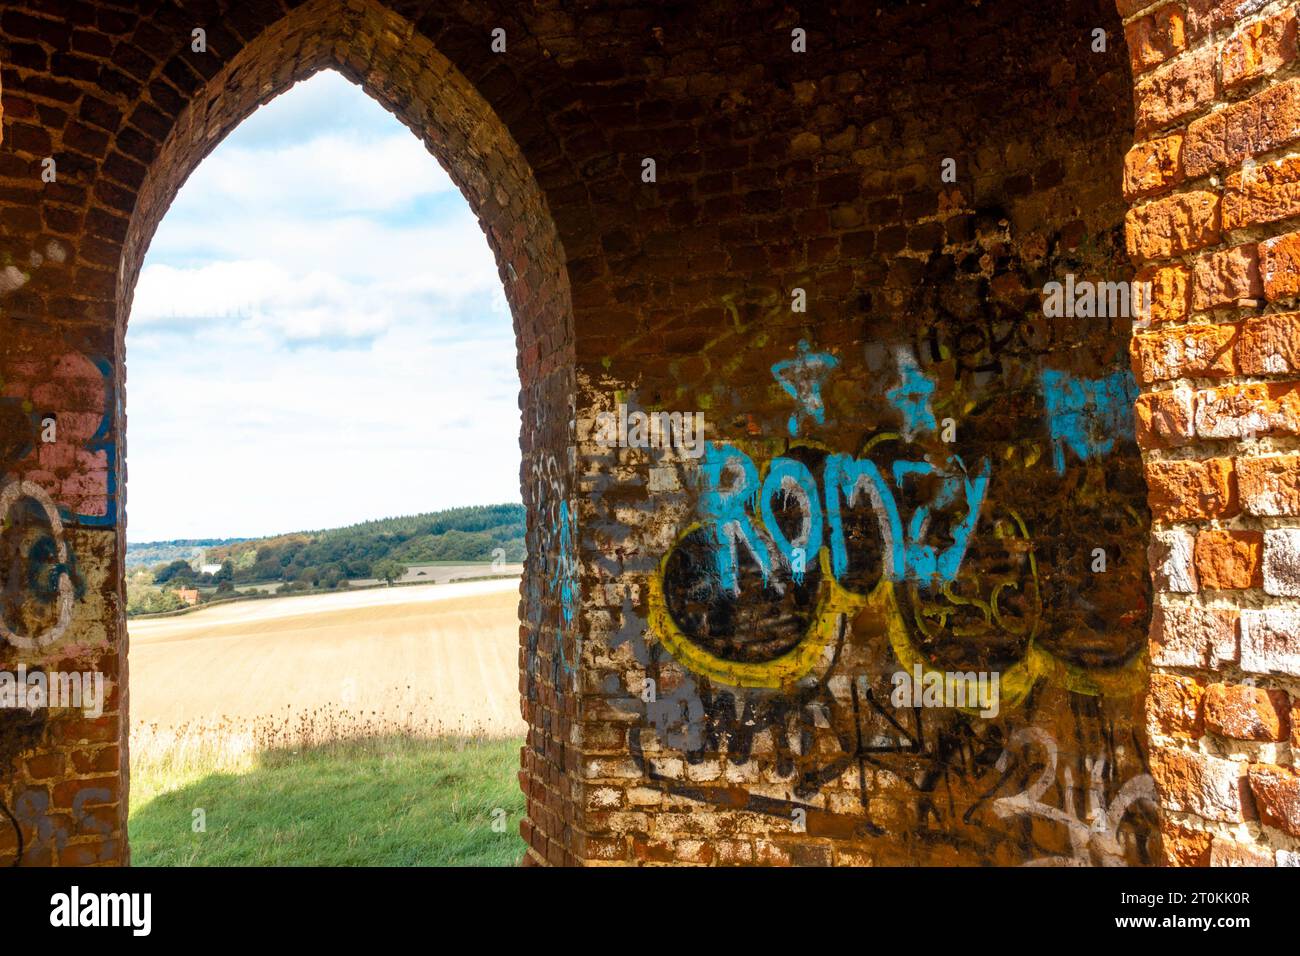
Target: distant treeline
{"points": [[151, 553], [367, 550]]}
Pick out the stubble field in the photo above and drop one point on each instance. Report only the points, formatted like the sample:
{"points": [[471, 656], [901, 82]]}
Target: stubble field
{"points": [[369, 727]]}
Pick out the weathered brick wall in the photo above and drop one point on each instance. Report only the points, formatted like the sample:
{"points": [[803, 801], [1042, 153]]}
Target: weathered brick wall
{"points": [[772, 737], [1215, 183], [910, 464]]}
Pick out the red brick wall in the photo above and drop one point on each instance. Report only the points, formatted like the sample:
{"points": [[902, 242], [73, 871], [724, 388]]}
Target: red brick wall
{"points": [[684, 707], [1214, 185]]}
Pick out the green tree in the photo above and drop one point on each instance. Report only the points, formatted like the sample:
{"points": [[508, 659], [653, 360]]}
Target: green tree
{"points": [[176, 571], [388, 570], [142, 598]]}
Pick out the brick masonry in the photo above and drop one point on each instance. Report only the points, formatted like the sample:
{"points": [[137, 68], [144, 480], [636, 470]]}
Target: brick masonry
{"points": [[914, 466], [1214, 202]]}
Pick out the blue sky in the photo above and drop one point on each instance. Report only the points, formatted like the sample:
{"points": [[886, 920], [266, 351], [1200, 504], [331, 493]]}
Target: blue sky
{"points": [[318, 334]]}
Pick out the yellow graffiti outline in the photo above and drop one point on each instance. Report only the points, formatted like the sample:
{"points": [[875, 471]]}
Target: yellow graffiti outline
{"points": [[990, 608], [1014, 682], [1038, 662], [832, 600]]}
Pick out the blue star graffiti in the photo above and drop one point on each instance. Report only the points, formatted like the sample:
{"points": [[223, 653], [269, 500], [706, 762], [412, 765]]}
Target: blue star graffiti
{"points": [[802, 378]]}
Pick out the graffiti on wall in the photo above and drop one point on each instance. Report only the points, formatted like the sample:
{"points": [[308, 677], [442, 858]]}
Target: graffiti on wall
{"points": [[58, 432], [58, 495], [939, 505], [739, 596], [801, 377], [44, 559], [58, 468], [1094, 832], [552, 582], [557, 584]]}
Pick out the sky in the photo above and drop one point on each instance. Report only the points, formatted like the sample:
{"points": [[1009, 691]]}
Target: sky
{"points": [[318, 335]]}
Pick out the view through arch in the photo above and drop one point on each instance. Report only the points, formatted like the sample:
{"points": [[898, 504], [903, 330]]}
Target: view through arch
{"points": [[77, 530], [449, 115], [323, 398]]}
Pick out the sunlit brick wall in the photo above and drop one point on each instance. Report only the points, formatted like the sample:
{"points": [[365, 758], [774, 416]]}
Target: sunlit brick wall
{"points": [[1215, 186]]}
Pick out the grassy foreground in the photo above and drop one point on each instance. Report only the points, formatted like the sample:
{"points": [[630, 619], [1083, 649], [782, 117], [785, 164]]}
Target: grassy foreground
{"points": [[387, 801]]}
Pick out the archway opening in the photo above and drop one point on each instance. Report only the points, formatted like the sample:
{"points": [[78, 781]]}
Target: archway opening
{"points": [[400, 68], [325, 537]]}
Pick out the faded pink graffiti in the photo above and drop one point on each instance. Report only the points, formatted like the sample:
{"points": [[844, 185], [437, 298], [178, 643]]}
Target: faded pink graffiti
{"points": [[70, 453]]}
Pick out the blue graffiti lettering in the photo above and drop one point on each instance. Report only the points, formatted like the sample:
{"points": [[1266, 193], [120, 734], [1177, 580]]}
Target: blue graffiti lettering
{"points": [[907, 552], [1087, 415], [724, 511], [564, 577], [924, 562], [793, 479], [912, 397], [845, 477]]}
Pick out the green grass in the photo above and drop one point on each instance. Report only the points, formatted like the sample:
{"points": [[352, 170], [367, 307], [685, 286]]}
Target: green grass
{"points": [[375, 802]]}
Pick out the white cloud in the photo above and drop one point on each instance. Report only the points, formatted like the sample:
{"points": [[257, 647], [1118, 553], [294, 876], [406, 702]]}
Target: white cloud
{"points": [[268, 442], [318, 336], [263, 300], [451, 256], [331, 174]]}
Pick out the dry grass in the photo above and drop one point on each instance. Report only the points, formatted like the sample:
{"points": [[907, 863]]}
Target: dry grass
{"points": [[165, 757], [249, 712]]}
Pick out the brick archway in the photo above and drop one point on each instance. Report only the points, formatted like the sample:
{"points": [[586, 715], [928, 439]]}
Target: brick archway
{"points": [[122, 158], [403, 69], [800, 265]]}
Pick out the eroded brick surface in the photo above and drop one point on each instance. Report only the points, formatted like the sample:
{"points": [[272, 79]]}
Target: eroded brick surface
{"points": [[1228, 478]]}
